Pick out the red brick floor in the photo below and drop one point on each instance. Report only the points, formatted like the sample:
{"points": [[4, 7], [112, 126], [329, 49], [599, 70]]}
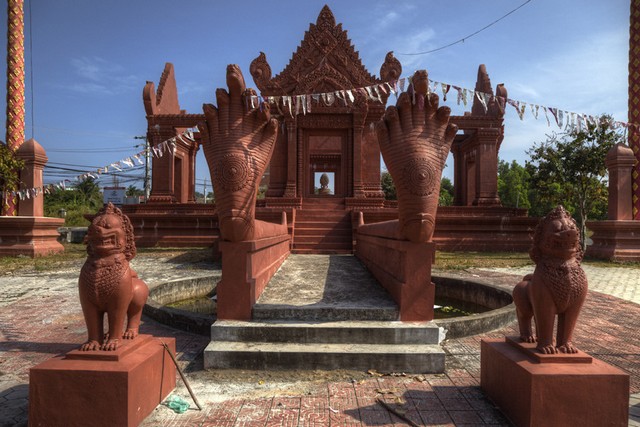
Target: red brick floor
{"points": [[34, 330]]}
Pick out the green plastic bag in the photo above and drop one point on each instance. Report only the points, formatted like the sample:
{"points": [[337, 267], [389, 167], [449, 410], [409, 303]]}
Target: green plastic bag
{"points": [[178, 404]]}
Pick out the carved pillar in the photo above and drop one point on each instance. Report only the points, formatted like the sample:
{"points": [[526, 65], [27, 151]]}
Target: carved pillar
{"points": [[162, 172], [191, 196], [458, 181], [15, 84], [487, 167], [620, 160], [301, 161], [34, 158], [634, 100], [358, 128], [292, 157]]}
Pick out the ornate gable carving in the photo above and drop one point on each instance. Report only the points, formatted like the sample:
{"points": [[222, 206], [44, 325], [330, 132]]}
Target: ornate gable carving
{"points": [[325, 61]]}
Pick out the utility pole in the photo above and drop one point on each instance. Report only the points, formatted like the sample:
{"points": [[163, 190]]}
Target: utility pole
{"points": [[147, 183]]}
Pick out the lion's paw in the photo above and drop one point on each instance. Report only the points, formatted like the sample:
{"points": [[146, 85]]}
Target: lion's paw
{"points": [[547, 349], [110, 345], [568, 348], [90, 346], [527, 338], [130, 334]]}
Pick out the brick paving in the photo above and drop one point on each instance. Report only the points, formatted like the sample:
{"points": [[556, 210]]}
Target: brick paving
{"points": [[40, 317]]}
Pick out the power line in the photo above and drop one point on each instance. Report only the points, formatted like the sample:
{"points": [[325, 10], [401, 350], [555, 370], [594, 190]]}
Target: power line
{"points": [[86, 133], [469, 36], [73, 164], [89, 150]]}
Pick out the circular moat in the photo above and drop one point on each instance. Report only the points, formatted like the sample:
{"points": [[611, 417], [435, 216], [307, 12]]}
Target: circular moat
{"points": [[463, 306]]}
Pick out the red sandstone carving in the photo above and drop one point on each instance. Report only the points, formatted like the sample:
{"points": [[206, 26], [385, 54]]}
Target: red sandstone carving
{"points": [[415, 138], [239, 138], [558, 286], [108, 284]]}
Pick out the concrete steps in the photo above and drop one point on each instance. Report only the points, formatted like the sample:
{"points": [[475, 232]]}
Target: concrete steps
{"points": [[357, 345], [325, 312]]}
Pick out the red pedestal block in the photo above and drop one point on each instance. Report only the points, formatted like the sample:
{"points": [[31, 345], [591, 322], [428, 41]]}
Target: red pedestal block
{"points": [[30, 235], [98, 388], [247, 267], [615, 240], [542, 392]]}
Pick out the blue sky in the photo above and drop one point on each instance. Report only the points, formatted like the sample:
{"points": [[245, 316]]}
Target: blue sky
{"points": [[90, 59]]}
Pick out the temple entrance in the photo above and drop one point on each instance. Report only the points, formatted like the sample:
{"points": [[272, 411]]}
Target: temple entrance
{"points": [[325, 151]]}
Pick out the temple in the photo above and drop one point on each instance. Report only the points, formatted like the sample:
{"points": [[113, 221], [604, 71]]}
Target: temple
{"points": [[326, 136]]}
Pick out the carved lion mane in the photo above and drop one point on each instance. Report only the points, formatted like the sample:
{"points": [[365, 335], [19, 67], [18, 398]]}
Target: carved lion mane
{"points": [[538, 249]]}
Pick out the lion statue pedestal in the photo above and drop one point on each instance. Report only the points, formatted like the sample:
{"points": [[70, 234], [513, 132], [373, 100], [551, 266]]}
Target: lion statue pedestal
{"points": [[117, 377], [534, 379]]}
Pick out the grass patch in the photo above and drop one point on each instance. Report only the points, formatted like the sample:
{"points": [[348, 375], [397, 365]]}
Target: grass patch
{"points": [[77, 251], [72, 252], [444, 260], [464, 260], [610, 264]]}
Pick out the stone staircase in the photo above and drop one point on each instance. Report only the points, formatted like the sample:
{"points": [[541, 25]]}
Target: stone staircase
{"points": [[322, 226], [325, 312], [357, 345]]}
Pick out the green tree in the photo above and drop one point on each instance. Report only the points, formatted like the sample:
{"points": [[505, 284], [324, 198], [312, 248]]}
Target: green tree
{"points": [[133, 191], [83, 198], [513, 185], [89, 193], [10, 167], [446, 192], [569, 169], [388, 187]]}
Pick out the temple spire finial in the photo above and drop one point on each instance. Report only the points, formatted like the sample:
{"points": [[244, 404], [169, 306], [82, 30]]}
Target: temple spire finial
{"points": [[326, 18]]}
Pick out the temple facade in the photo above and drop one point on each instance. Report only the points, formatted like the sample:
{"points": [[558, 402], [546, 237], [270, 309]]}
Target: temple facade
{"points": [[326, 136]]}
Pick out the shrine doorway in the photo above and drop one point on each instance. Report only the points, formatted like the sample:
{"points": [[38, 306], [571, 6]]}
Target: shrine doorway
{"points": [[326, 151]]}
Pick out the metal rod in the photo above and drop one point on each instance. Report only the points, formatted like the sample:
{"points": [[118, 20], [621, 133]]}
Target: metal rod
{"points": [[184, 379]]}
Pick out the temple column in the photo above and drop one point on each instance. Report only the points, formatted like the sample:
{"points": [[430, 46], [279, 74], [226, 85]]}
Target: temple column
{"points": [[458, 185], [619, 161], [487, 167], [162, 169], [34, 158], [634, 100], [15, 84], [358, 128], [292, 157], [191, 196]]}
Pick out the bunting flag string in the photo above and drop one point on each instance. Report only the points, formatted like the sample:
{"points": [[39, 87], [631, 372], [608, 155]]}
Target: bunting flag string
{"points": [[302, 104], [168, 146]]}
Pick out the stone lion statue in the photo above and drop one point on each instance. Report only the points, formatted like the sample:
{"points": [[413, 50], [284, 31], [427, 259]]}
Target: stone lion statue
{"points": [[107, 283], [557, 287]]}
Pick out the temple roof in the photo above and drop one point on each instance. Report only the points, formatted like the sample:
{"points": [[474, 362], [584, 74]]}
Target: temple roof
{"points": [[325, 61]]}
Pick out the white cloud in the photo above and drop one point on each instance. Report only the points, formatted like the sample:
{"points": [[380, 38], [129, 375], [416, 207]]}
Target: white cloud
{"points": [[99, 76], [590, 77]]}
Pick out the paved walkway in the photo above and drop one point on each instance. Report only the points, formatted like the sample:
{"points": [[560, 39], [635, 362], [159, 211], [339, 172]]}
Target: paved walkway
{"points": [[620, 282], [40, 317]]}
